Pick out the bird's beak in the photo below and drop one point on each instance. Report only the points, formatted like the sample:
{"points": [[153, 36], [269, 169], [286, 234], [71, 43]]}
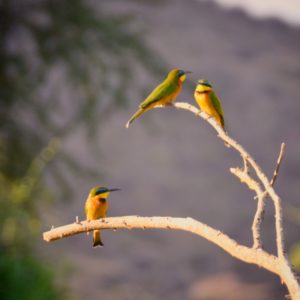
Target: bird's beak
{"points": [[188, 72], [113, 190]]}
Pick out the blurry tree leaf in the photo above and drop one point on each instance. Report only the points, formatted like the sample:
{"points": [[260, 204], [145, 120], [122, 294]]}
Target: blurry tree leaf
{"points": [[295, 255]]}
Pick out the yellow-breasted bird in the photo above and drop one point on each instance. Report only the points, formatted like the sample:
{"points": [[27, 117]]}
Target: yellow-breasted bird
{"points": [[163, 94], [208, 101], [95, 207]]}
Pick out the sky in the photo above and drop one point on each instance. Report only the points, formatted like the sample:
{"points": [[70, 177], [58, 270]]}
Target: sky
{"points": [[285, 10]]}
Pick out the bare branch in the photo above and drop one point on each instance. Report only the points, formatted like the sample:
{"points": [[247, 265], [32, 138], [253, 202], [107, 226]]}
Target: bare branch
{"points": [[246, 165], [249, 255], [245, 178], [261, 199], [246, 254], [262, 177], [260, 195], [257, 221], [278, 164], [260, 174], [255, 186]]}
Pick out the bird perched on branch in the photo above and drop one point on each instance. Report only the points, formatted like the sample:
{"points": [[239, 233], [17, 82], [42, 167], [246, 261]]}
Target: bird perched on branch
{"points": [[95, 207], [209, 102], [163, 94]]}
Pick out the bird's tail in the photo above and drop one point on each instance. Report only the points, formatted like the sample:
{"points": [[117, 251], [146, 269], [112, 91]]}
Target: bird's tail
{"points": [[136, 115], [222, 121], [97, 239]]}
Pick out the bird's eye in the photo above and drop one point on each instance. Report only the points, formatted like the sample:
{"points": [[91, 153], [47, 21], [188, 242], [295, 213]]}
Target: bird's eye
{"points": [[102, 200], [181, 73]]}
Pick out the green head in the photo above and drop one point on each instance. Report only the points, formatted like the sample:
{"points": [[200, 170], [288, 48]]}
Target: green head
{"points": [[204, 86], [177, 75], [101, 191]]}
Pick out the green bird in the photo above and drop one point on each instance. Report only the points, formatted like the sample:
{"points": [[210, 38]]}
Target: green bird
{"points": [[163, 94], [209, 102]]}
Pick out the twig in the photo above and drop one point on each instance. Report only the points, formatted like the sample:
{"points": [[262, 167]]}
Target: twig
{"points": [[246, 165], [261, 199], [278, 164], [257, 221], [245, 178], [255, 186]]}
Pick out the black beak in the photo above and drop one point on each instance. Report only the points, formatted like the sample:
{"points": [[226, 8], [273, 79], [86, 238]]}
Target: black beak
{"points": [[113, 190], [188, 72]]}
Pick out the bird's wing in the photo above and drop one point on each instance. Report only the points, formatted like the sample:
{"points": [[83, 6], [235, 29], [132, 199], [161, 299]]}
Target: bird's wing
{"points": [[161, 91], [217, 105]]}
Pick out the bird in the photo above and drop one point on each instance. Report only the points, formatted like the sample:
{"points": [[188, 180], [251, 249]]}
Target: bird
{"points": [[163, 94], [95, 207], [209, 102]]}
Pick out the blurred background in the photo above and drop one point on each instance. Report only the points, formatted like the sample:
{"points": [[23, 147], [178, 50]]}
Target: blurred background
{"points": [[71, 75]]}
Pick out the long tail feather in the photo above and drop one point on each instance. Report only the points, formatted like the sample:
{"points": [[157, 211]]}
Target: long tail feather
{"points": [[136, 115], [97, 239]]}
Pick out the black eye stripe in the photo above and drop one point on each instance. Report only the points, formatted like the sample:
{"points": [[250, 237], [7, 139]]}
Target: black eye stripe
{"points": [[206, 84], [100, 191], [181, 73], [102, 200], [202, 92]]}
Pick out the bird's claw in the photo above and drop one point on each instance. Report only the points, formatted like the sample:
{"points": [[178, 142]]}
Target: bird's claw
{"points": [[207, 118]]}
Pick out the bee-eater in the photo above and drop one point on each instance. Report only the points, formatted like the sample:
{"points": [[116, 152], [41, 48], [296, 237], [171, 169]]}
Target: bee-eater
{"points": [[95, 207], [163, 94], [208, 101]]}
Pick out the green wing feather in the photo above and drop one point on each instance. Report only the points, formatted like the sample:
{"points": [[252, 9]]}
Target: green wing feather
{"points": [[161, 91], [218, 106]]}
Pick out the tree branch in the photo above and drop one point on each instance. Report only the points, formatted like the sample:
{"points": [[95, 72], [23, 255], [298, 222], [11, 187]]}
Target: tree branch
{"points": [[262, 177], [278, 164], [261, 198], [246, 254], [255, 186], [256, 255], [248, 160], [249, 255]]}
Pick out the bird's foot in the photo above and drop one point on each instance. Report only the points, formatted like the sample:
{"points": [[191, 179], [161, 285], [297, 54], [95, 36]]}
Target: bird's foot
{"points": [[207, 118]]}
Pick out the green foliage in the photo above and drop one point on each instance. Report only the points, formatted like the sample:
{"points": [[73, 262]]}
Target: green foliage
{"points": [[18, 206], [295, 256], [24, 277], [52, 51], [293, 215]]}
